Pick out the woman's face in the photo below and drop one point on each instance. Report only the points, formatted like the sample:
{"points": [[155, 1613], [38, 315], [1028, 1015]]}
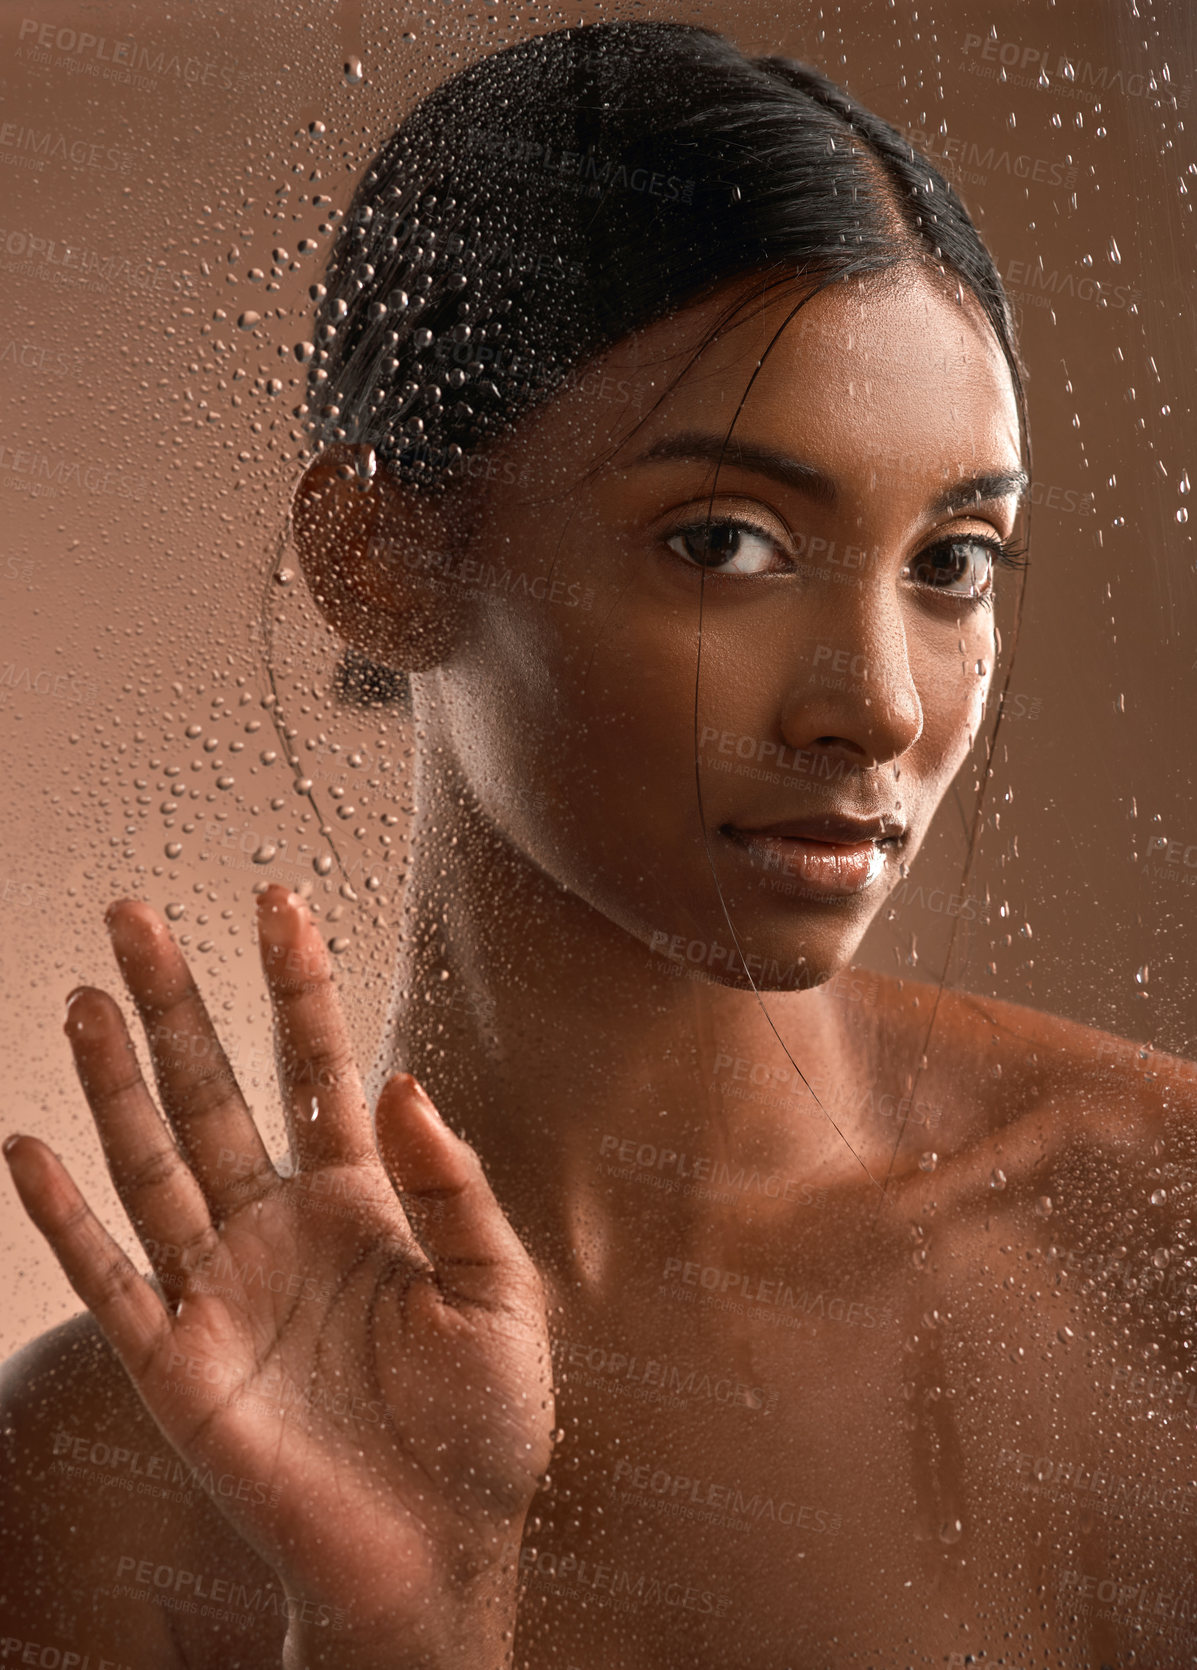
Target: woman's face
{"points": [[749, 722]]}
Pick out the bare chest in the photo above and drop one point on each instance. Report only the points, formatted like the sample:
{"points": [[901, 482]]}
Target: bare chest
{"points": [[907, 1470], [902, 1465]]}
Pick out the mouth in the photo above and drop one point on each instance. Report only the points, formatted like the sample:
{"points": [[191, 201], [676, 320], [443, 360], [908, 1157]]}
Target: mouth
{"points": [[831, 857]]}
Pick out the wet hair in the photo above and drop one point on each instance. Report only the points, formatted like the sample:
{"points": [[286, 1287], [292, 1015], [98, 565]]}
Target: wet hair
{"points": [[571, 189]]}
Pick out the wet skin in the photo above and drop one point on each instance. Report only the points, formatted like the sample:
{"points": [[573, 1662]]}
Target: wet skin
{"points": [[850, 1385]]}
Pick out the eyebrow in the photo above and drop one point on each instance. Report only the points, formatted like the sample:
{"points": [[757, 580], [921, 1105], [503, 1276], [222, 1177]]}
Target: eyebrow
{"points": [[696, 447]]}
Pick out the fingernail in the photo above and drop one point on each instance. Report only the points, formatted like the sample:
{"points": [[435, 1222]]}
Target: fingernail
{"points": [[423, 1095], [276, 897], [10, 1143], [66, 1008]]}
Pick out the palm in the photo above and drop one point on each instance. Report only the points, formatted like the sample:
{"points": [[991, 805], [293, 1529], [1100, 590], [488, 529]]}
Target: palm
{"points": [[379, 1396]]}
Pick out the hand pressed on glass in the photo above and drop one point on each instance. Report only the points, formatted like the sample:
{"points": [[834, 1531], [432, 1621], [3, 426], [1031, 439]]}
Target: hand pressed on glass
{"points": [[393, 1392]]}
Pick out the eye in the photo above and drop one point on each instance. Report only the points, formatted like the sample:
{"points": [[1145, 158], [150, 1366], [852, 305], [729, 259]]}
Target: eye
{"points": [[726, 546], [962, 567]]}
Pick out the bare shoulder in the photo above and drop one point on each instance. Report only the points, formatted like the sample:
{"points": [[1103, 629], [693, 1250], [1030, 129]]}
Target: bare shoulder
{"points": [[1003, 1064], [1110, 1089], [1083, 1144], [105, 1532]]}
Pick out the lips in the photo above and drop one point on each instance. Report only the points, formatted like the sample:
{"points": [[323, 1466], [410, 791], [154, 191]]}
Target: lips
{"points": [[821, 857], [831, 829]]}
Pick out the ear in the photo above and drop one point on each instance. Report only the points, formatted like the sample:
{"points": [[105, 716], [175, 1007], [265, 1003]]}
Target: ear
{"points": [[367, 552]]}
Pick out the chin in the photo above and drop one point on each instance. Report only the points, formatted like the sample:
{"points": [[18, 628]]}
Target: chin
{"points": [[781, 958]]}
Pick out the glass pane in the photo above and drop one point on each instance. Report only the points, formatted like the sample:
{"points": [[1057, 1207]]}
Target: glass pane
{"points": [[649, 559]]}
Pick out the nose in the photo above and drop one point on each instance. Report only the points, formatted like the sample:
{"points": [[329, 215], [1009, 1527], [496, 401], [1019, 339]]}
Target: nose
{"points": [[853, 694]]}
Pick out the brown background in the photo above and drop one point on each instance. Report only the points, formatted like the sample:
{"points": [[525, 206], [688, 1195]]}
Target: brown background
{"points": [[147, 470]]}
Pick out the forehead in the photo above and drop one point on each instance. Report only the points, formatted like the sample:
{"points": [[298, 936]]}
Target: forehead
{"points": [[897, 362], [890, 380]]}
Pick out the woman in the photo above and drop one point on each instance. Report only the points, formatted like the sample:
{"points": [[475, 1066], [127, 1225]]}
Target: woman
{"points": [[670, 454]]}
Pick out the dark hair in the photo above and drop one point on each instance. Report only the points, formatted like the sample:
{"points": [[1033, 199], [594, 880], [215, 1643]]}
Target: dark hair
{"points": [[575, 187]]}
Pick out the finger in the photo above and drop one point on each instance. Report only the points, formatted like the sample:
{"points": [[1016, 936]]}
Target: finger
{"points": [[133, 1318], [478, 1257], [327, 1112], [200, 1095], [163, 1200]]}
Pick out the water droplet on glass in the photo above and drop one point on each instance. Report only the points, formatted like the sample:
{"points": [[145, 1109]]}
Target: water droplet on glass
{"points": [[322, 863], [951, 1530], [353, 72], [247, 321], [928, 1161], [1043, 1206], [266, 853], [1159, 1196], [1115, 253], [173, 848], [337, 946], [997, 1178], [174, 912]]}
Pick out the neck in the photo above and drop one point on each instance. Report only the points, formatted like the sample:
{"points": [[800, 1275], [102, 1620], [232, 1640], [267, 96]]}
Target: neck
{"points": [[610, 1095]]}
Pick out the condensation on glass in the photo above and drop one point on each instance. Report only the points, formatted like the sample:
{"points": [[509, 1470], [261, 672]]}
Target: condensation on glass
{"points": [[582, 659]]}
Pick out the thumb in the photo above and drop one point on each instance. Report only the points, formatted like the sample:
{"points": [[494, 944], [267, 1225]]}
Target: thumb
{"points": [[478, 1257]]}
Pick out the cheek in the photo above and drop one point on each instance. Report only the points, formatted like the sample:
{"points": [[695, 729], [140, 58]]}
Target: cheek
{"points": [[581, 718], [954, 679]]}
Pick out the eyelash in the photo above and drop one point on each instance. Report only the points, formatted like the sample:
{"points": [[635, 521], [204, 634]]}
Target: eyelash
{"points": [[1004, 553]]}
